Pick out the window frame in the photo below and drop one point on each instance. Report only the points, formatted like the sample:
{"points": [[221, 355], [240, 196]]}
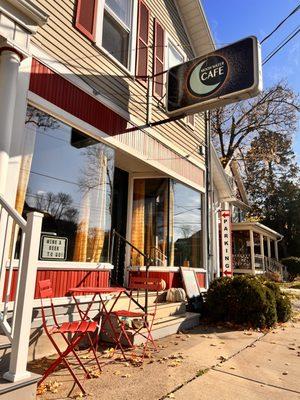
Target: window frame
{"points": [[171, 42], [101, 8], [92, 132], [141, 3]]}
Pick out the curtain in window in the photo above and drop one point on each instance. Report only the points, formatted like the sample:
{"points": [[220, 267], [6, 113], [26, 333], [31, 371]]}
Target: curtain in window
{"points": [[100, 193], [25, 167], [90, 233], [81, 240], [138, 221]]}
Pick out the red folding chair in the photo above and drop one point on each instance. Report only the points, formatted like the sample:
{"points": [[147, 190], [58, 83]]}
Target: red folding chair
{"points": [[77, 330], [143, 329]]}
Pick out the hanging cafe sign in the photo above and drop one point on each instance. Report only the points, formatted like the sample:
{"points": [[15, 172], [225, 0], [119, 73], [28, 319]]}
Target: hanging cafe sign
{"points": [[224, 76]]}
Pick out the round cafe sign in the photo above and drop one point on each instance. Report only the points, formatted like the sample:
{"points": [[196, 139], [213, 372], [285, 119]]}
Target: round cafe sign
{"points": [[207, 76]]}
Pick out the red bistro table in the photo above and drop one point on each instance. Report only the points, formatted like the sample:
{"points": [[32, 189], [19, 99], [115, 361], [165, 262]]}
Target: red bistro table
{"points": [[98, 292]]}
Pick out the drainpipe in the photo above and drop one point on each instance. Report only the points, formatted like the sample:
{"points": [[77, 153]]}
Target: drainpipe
{"points": [[208, 197]]}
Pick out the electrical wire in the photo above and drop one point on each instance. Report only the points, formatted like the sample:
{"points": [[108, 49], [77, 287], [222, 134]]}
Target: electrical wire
{"points": [[281, 45], [281, 23]]}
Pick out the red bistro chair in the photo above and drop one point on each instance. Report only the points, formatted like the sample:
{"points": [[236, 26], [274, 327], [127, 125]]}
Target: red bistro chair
{"points": [[143, 329], [77, 330]]}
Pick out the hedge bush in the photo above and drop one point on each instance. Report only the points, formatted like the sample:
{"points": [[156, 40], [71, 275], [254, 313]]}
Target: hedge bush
{"points": [[293, 266], [246, 300], [283, 303]]}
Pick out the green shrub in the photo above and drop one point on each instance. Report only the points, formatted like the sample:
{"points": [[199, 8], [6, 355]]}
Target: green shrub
{"points": [[247, 300], [293, 266], [254, 304], [283, 303], [218, 299]]}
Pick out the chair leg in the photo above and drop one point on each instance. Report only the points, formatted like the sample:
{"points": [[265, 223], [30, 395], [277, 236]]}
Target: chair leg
{"points": [[62, 358], [149, 337], [94, 351], [77, 357]]}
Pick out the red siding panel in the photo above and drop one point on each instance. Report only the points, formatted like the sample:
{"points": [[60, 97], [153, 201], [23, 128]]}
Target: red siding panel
{"points": [[172, 279], [62, 280], [57, 90], [201, 279]]}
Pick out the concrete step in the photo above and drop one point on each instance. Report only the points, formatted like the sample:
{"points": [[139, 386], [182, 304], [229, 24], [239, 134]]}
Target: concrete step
{"points": [[24, 389], [167, 326], [163, 327], [164, 309]]}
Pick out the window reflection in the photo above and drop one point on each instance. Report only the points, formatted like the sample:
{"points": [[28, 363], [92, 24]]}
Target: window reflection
{"points": [[150, 220], [186, 238], [67, 176], [166, 223]]}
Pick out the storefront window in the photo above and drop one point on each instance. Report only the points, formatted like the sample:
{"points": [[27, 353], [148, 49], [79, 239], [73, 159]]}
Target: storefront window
{"points": [[67, 176], [186, 236], [166, 223], [150, 220]]}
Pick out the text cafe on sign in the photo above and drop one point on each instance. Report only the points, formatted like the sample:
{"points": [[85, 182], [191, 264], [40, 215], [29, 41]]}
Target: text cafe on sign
{"points": [[226, 246]]}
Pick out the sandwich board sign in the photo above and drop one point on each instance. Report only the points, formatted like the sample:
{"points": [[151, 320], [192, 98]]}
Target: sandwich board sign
{"points": [[190, 282], [226, 249], [224, 76]]}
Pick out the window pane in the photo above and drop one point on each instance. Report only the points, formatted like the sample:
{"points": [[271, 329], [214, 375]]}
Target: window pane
{"points": [[174, 57], [185, 224], [122, 9], [150, 220], [115, 39], [68, 178]]}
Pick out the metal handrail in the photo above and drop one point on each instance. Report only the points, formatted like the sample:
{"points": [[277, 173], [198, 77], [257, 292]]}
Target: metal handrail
{"points": [[148, 259]]}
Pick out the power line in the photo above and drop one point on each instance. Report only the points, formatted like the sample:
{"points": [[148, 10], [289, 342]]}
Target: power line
{"points": [[281, 23], [277, 49]]}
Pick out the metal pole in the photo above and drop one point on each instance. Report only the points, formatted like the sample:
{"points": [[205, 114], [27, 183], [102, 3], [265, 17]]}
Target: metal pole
{"points": [[207, 192]]}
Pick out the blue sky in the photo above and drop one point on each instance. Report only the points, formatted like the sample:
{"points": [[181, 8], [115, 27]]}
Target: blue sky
{"points": [[232, 20]]}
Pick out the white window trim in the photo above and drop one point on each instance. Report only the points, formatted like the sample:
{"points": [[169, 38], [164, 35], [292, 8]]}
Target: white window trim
{"points": [[185, 58], [130, 70]]}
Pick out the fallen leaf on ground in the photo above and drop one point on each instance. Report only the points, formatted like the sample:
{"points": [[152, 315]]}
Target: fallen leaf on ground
{"points": [[79, 395]]}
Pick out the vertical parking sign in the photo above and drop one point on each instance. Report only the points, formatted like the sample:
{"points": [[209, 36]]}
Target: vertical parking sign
{"points": [[226, 246]]}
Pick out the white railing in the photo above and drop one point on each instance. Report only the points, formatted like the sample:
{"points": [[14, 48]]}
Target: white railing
{"points": [[262, 263], [22, 236]]}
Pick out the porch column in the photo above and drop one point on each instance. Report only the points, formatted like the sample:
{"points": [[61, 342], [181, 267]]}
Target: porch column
{"points": [[262, 250], [252, 252], [276, 249], [9, 68], [269, 247]]}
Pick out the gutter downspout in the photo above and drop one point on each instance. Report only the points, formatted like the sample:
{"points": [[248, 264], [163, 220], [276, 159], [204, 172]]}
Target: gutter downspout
{"points": [[208, 197]]}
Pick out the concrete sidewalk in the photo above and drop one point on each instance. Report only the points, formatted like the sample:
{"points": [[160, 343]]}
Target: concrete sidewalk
{"points": [[205, 363], [269, 369]]}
